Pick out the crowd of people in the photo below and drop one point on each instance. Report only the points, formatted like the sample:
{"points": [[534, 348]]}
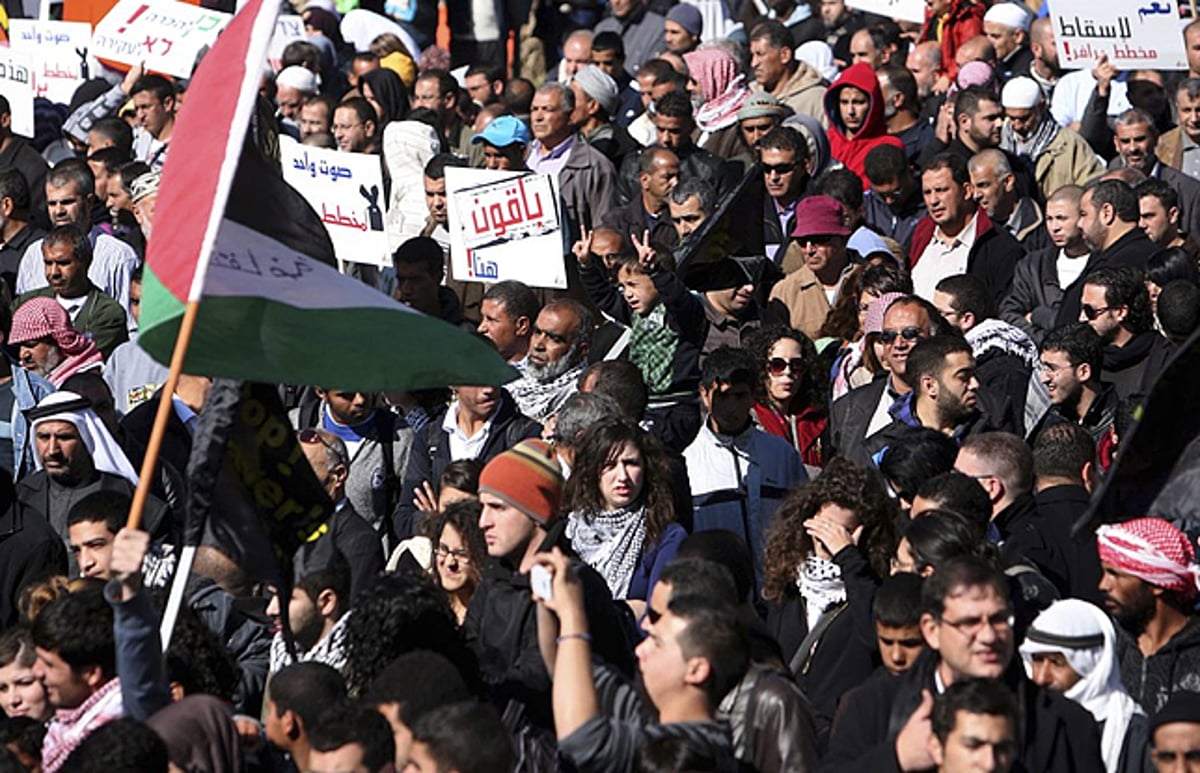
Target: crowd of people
{"points": [[792, 476]]}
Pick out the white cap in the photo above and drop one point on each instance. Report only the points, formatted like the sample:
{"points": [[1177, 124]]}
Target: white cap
{"points": [[300, 78], [1009, 14], [1021, 93]]}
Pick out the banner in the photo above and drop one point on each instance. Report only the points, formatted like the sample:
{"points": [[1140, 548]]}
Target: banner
{"points": [[1140, 34], [166, 36], [346, 190], [59, 53], [288, 28], [900, 10], [16, 85], [505, 225]]}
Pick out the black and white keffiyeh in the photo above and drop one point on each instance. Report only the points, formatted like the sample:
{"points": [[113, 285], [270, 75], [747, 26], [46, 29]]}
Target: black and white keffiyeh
{"points": [[611, 543], [821, 587], [539, 400]]}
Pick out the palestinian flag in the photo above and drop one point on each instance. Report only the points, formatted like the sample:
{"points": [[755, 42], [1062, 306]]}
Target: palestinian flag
{"points": [[232, 235]]}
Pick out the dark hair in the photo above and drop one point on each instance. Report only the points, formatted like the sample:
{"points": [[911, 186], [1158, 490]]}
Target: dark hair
{"points": [[674, 104], [774, 32], [841, 184], [334, 575], [1125, 286], [623, 382], [721, 547], [111, 507], [1079, 342], [73, 171], [903, 81], [973, 696], [391, 94], [886, 163], [937, 536], [897, 602], [461, 474], [883, 278], [24, 733], [1061, 450], [81, 246], [675, 753], [110, 158], [1119, 195], [928, 357], [958, 574], [1172, 264], [702, 578], [14, 186], [466, 737], [916, 456], [952, 161], [351, 722], [609, 41], [660, 69], [729, 365], [847, 485], [301, 53], [597, 450], [968, 293], [363, 110], [967, 102], [306, 689], [714, 632], [162, 88], [516, 298], [436, 168], [1164, 192], [492, 72], [424, 252], [959, 494], [130, 172], [463, 517], [120, 746], [199, 661], [785, 138], [419, 681], [117, 132], [16, 646], [812, 380], [1179, 310], [79, 627], [518, 95]]}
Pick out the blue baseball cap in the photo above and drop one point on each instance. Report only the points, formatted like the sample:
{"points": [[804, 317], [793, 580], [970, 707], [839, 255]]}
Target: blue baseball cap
{"points": [[504, 131]]}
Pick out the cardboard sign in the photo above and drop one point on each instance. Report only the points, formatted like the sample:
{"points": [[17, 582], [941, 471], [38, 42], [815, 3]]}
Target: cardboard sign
{"points": [[166, 35], [505, 225], [900, 10], [16, 84], [58, 50], [346, 190], [287, 29], [1140, 34]]}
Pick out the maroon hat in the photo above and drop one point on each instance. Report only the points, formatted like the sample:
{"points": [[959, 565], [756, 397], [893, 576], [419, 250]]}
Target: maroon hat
{"points": [[820, 216]]}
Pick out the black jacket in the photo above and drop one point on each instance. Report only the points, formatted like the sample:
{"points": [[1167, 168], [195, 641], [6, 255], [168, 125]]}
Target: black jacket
{"points": [[850, 416], [1035, 291], [1151, 681], [1055, 735], [30, 551], [354, 538], [632, 218], [1071, 563], [1133, 250], [1005, 374], [431, 453], [1125, 367], [33, 495]]}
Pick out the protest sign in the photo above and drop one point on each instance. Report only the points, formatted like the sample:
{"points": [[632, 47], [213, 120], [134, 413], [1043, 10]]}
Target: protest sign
{"points": [[900, 10], [58, 51], [165, 35], [16, 84], [1132, 35], [505, 225], [345, 190], [288, 28]]}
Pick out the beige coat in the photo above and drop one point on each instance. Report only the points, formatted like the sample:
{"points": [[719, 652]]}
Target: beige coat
{"points": [[801, 292], [1067, 160], [804, 92]]}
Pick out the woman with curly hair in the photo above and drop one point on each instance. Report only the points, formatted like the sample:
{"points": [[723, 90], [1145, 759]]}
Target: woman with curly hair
{"points": [[620, 508], [791, 400], [831, 542], [459, 552]]}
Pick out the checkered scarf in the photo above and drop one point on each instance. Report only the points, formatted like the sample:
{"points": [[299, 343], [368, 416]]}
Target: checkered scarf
{"points": [[652, 348], [1152, 550]]}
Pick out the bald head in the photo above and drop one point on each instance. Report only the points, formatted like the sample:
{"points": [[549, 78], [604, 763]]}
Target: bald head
{"points": [[1068, 194], [976, 49]]}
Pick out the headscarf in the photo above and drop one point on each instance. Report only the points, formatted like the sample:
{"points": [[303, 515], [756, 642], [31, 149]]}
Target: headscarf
{"points": [[327, 24], [722, 84], [389, 92], [200, 735], [1152, 550], [819, 56], [407, 147], [360, 26], [43, 317], [1085, 636], [74, 409]]}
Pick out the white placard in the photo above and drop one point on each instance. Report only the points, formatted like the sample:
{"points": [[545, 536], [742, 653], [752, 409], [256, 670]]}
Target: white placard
{"points": [[165, 35], [1134, 34], [287, 29], [16, 84], [54, 48], [900, 10], [346, 190], [505, 225]]}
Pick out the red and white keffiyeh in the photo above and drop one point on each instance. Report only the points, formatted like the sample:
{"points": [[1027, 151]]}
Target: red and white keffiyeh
{"points": [[1152, 550]]}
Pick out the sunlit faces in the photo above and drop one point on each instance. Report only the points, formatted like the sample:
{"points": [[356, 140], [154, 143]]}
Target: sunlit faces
{"points": [[622, 477]]}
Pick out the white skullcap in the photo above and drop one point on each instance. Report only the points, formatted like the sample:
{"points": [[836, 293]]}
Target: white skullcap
{"points": [[300, 78], [1010, 15], [1021, 93], [600, 86]]}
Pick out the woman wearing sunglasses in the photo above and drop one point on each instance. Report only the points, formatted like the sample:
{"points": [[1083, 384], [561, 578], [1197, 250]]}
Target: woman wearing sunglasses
{"points": [[791, 401]]}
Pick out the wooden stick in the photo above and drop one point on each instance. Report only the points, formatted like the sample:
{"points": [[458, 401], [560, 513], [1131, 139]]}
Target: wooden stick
{"points": [[165, 406]]}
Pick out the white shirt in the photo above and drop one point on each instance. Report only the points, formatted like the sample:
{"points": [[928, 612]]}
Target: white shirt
{"points": [[881, 418], [462, 446], [1073, 91], [113, 263], [1069, 269], [71, 305], [943, 256]]}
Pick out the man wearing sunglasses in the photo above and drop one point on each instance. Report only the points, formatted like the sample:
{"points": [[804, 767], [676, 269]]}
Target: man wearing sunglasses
{"points": [[784, 158], [1116, 304], [818, 248], [968, 626]]}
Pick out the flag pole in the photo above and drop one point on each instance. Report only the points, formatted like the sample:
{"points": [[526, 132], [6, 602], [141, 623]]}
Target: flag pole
{"points": [[165, 406]]}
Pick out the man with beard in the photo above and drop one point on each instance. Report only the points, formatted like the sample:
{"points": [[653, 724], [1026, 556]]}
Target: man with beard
{"points": [[557, 357], [1116, 304], [1072, 357], [1058, 155], [995, 190], [1150, 581], [1044, 68], [1006, 25], [968, 625], [1136, 140]]}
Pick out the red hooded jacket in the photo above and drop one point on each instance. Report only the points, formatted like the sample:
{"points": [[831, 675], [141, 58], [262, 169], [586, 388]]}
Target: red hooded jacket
{"points": [[852, 151], [963, 22]]}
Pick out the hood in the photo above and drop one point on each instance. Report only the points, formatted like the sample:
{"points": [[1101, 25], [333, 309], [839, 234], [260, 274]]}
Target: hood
{"points": [[862, 77], [818, 140], [805, 78], [408, 146]]}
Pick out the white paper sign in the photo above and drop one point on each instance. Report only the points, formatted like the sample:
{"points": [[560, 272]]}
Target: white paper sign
{"points": [[287, 29], [1134, 34], [54, 48], [166, 35], [346, 190], [900, 10], [16, 84], [505, 225]]}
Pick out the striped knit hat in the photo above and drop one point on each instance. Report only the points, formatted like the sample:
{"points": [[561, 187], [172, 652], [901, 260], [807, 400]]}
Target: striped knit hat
{"points": [[528, 477]]}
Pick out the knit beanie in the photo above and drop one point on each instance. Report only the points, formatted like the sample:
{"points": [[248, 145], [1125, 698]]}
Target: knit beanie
{"points": [[528, 477]]}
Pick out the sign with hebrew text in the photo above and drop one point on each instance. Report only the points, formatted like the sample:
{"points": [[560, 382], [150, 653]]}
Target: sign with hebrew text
{"points": [[1134, 34], [165, 35]]}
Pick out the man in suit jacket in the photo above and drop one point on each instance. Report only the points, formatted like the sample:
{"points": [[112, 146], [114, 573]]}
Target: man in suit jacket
{"points": [[1136, 140]]}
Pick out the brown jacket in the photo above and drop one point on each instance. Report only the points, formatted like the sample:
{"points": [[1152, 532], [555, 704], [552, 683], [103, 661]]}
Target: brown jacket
{"points": [[1170, 148], [804, 92]]}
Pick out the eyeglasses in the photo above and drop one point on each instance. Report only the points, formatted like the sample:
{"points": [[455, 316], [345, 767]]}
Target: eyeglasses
{"points": [[888, 337], [310, 437], [345, 127], [777, 365], [779, 168], [971, 627], [445, 551], [1091, 312]]}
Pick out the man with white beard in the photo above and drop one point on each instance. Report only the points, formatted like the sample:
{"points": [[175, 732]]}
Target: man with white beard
{"points": [[557, 357]]}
